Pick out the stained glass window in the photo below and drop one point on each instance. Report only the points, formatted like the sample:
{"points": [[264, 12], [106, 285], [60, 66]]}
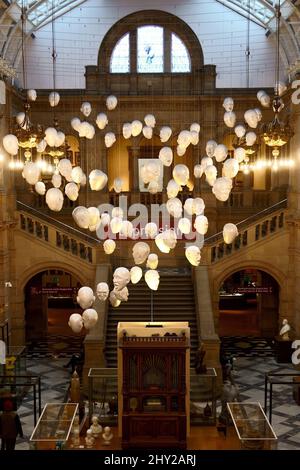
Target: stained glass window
{"points": [[180, 59], [119, 62], [150, 58]]}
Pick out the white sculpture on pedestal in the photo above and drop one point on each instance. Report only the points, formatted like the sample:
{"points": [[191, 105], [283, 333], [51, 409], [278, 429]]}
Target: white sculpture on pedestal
{"points": [[285, 329], [95, 427]]}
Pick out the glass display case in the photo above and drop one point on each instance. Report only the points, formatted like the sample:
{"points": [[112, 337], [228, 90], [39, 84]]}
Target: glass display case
{"points": [[252, 426], [53, 427], [203, 397], [103, 395]]}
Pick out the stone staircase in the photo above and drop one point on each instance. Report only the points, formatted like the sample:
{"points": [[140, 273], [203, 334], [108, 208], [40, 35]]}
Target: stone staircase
{"points": [[173, 301]]}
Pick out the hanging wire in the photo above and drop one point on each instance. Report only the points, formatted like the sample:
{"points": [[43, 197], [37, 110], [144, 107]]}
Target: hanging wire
{"points": [[23, 19], [247, 52], [54, 56], [278, 15]]}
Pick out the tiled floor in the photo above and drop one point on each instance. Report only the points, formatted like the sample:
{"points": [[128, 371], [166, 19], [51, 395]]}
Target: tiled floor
{"points": [[249, 373]]}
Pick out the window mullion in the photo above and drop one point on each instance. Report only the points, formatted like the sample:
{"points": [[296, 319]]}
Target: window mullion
{"points": [[167, 50]]}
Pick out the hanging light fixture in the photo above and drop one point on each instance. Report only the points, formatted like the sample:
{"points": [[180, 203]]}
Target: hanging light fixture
{"points": [[276, 133], [28, 134]]}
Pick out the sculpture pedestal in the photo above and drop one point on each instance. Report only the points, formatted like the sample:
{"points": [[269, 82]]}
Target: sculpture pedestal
{"points": [[283, 350]]}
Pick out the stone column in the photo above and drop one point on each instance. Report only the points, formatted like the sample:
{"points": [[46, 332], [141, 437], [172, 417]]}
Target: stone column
{"points": [[205, 319], [94, 342]]}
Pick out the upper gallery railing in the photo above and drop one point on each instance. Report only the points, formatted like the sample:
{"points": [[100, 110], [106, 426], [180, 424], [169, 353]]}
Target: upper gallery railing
{"points": [[254, 228], [56, 233]]}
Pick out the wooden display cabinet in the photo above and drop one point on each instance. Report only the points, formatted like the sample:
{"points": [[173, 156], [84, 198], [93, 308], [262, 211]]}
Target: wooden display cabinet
{"points": [[154, 390]]}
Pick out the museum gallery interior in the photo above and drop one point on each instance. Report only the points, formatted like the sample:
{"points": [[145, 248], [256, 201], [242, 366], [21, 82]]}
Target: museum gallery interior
{"points": [[150, 224]]}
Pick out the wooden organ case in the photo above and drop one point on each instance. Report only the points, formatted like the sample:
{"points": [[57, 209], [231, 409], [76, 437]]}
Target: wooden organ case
{"points": [[154, 385]]}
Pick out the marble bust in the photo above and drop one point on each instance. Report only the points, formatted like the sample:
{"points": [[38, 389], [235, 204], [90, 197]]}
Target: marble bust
{"points": [[285, 329], [107, 435], [95, 427]]}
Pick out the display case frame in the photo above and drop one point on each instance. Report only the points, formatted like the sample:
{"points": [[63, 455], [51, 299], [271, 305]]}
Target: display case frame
{"points": [[252, 426], [206, 393]]}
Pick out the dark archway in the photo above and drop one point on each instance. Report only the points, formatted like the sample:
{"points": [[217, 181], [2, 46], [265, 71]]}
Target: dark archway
{"points": [[50, 298], [249, 304]]}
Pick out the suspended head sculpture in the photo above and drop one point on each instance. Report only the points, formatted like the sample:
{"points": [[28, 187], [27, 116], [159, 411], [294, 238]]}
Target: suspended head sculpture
{"points": [[90, 318], [111, 102], [121, 278], [228, 104], [85, 297], [102, 291], [152, 279], [140, 252], [86, 108], [230, 232], [136, 274], [193, 255]]}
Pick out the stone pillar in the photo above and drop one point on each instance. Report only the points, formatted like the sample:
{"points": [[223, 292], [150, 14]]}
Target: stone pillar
{"points": [[94, 342], [205, 319], [294, 225]]}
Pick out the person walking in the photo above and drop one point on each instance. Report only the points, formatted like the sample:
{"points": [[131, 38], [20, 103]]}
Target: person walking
{"points": [[10, 426]]}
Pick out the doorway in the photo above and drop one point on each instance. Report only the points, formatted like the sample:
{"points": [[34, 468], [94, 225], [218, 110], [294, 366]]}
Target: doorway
{"points": [[50, 299], [249, 304]]}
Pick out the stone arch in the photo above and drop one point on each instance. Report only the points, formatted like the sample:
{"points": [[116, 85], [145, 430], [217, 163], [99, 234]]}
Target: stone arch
{"points": [[263, 266], [150, 17]]}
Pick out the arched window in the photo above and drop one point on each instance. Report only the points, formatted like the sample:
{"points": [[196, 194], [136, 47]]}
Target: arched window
{"points": [[158, 50], [119, 62], [180, 58]]}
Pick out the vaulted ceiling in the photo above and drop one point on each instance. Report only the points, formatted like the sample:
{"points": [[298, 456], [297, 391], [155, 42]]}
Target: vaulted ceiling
{"points": [[41, 12]]}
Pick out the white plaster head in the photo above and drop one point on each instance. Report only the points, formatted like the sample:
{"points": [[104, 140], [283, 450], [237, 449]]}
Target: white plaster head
{"points": [[258, 113], [136, 127], [85, 297], [210, 148], [151, 230], [105, 219], [173, 188], [205, 162], [147, 132], [195, 127], [102, 291], [230, 167], [152, 261], [41, 146], [152, 279], [31, 173], [118, 184], [77, 174], [136, 274], [97, 180], [90, 318], [165, 133], [81, 216], [101, 120], [251, 118], [150, 120], [111, 102], [121, 278], [180, 150], [65, 167], [75, 124], [211, 174], [170, 238], [166, 156], [122, 294], [198, 206], [265, 100], [54, 199], [71, 191], [194, 137], [127, 130], [153, 187], [228, 104], [160, 243], [109, 246], [193, 255], [184, 138], [239, 154], [181, 174], [75, 322], [189, 206], [11, 144], [250, 138], [221, 188], [140, 252], [109, 139], [150, 171], [31, 95], [86, 108], [54, 98], [174, 207], [127, 229], [94, 218], [184, 225], [40, 188], [113, 299], [201, 224], [220, 152], [230, 119], [230, 232], [240, 131], [198, 171]]}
